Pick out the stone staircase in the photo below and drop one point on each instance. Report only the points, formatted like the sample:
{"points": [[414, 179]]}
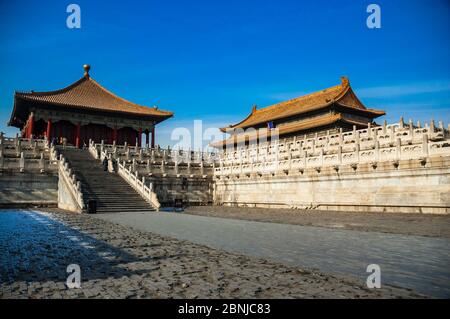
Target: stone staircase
{"points": [[111, 192]]}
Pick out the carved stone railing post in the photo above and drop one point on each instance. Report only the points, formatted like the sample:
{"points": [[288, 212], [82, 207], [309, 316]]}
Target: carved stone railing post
{"points": [[392, 134], [357, 147], [35, 149], [290, 160], [398, 148], [176, 167], [432, 127], [411, 129], [321, 157], [110, 164], [425, 144], [340, 154], [305, 158], [188, 155], [375, 137], [377, 150], [42, 163], [357, 137], [149, 167], [401, 123], [163, 167], [18, 147], [22, 162]]}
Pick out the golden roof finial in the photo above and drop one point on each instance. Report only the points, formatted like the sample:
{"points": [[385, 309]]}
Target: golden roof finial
{"points": [[344, 81], [86, 68], [254, 108]]}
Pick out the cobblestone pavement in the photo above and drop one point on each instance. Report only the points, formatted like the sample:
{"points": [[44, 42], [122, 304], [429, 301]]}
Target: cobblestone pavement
{"points": [[429, 225], [419, 263], [120, 262]]}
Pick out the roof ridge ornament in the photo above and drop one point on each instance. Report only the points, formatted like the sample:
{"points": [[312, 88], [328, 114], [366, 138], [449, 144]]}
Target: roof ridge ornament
{"points": [[86, 68], [254, 108], [345, 81]]}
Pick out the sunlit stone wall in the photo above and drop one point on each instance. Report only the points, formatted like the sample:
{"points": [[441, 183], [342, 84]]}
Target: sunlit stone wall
{"points": [[392, 168]]}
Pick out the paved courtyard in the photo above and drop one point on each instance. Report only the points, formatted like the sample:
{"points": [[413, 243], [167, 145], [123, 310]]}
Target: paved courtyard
{"points": [[118, 261], [416, 262], [428, 225]]}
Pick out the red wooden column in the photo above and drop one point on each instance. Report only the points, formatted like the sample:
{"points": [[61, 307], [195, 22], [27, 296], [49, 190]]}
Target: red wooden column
{"points": [[31, 124], [139, 137], [77, 135], [153, 137], [25, 129], [49, 130]]}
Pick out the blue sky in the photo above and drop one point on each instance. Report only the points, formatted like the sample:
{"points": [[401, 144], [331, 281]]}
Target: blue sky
{"points": [[213, 60]]}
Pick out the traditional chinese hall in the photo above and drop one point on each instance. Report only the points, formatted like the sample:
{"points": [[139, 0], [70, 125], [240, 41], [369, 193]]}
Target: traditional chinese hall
{"points": [[329, 110], [85, 110]]}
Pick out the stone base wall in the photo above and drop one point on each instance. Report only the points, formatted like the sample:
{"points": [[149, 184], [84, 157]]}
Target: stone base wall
{"points": [[28, 189], [411, 187], [193, 191]]}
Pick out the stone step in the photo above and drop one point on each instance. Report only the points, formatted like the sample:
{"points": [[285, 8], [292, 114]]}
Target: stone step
{"points": [[118, 209], [111, 192], [123, 203], [124, 211]]}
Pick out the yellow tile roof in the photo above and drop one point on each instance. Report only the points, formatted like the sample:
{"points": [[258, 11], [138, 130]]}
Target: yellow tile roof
{"points": [[342, 94], [86, 93]]}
